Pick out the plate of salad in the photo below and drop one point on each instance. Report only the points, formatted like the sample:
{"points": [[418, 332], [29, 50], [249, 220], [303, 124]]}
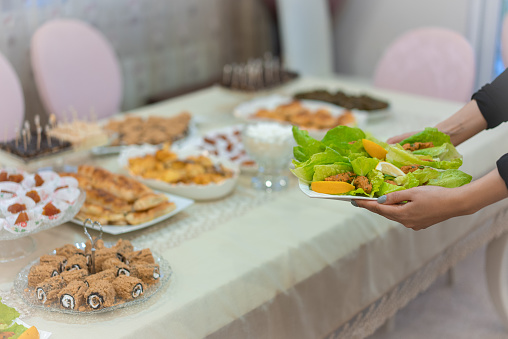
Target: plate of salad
{"points": [[348, 163]]}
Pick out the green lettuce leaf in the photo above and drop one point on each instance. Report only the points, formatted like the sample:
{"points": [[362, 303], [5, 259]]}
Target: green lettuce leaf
{"points": [[376, 179], [400, 157], [389, 188], [17, 329], [305, 170], [408, 181], [307, 146], [324, 171], [443, 152], [341, 139], [451, 178], [363, 165], [429, 134], [7, 314]]}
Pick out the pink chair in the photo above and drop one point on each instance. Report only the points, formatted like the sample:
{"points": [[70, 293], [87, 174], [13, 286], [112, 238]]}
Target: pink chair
{"points": [[75, 67], [429, 61], [12, 103]]}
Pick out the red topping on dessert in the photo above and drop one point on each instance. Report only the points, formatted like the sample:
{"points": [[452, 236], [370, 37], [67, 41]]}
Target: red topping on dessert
{"points": [[248, 163], [38, 180], [50, 210], [16, 178], [16, 208], [22, 217], [34, 196], [209, 141], [4, 176], [62, 187]]}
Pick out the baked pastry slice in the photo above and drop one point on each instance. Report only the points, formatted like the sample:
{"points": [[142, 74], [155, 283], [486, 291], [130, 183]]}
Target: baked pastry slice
{"points": [[135, 218], [106, 200], [149, 201]]}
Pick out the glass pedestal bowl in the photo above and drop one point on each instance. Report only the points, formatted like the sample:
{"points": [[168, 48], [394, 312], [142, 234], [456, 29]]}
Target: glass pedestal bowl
{"points": [[270, 144]]}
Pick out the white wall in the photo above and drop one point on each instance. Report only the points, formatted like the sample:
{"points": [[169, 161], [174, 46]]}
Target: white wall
{"points": [[363, 29]]}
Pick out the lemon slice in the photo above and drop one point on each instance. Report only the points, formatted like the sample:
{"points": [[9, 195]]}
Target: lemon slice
{"points": [[31, 333], [331, 187], [374, 150], [390, 169]]}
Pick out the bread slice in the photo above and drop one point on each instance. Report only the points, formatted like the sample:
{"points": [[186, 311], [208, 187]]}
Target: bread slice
{"points": [[149, 201], [135, 218]]}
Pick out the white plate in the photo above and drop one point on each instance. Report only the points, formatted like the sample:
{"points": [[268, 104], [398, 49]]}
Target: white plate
{"points": [[236, 155], [245, 110], [180, 202], [192, 132], [191, 191], [305, 189]]}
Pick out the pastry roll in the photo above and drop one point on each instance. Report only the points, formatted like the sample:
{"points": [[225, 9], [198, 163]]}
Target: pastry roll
{"points": [[68, 251], [58, 261], [48, 290], [73, 295], [100, 294], [115, 264], [128, 287], [39, 273], [107, 275], [149, 273], [72, 275], [77, 262], [142, 256]]}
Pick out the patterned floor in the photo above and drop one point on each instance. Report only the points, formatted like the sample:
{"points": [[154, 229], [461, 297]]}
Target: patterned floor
{"points": [[461, 311]]}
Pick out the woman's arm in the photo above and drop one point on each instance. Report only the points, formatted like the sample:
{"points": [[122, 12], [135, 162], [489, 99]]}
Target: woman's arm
{"points": [[465, 123], [428, 205]]}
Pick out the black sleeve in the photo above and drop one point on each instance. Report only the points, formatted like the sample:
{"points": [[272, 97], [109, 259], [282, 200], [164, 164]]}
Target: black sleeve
{"points": [[502, 167], [492, 99]]}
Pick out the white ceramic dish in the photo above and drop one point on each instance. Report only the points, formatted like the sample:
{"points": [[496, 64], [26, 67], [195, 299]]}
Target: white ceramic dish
{"points": [[246, 110], [191, 191], [180, 202], [305, 189], [231, 148]]}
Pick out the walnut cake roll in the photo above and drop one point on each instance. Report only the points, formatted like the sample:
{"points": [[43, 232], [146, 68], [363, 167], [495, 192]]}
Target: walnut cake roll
{"points": [[39, 273], [68, 251], [142, 256], [123, 247], [48, 290], [73, 275], [119, 267], [107, 275], [149, 273], [100, 294], [128, 287], [73, 295], [59, 261], [99, 244], [77, 262], [102, 255]]}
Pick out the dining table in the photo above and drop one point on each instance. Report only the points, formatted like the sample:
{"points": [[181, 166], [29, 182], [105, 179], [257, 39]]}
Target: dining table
{"points": [[258, 264]]}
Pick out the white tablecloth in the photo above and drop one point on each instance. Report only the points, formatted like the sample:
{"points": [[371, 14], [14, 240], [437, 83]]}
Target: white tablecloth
{"points": [[285, 266]]}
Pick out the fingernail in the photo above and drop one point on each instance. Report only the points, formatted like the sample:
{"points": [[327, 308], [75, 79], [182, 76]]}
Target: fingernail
{"points": [[381, 199], [353, 202]]}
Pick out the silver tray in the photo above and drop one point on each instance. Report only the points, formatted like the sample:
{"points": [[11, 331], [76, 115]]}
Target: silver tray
{"points": [[27, 294]]}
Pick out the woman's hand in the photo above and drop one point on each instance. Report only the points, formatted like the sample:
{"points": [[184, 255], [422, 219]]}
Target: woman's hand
{"points": [[424, 206], [418, 207], [398, 138]]}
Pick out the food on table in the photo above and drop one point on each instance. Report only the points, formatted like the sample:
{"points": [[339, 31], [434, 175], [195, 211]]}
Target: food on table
{"points": [[58, 261], [75, 288], [360, 102], [80, 133], [8, 326], [297, 114], [128, 287], [348, 162], [135, 130], [29, 201], [33, 145], [166, 166], [227, 144], [114, 199]]}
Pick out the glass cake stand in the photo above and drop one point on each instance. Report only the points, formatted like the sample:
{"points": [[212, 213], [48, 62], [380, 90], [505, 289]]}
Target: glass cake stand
{"points": [[17, 245], [28, 294]]}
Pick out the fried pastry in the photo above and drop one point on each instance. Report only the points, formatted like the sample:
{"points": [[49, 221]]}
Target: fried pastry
{"points": [[135, 218]]}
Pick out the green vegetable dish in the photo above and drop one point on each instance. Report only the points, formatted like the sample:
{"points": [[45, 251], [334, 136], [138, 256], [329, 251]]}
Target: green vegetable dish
{"points": [[7, 324], [348, 161]]}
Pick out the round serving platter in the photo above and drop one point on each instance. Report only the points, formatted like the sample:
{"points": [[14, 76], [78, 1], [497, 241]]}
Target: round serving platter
{"points": [[27, 294]]}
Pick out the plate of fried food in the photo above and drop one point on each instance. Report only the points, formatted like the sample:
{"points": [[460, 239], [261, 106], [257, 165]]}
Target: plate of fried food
{"points": [[187, 173], [153, 130], [314, 116], [122, 204]]}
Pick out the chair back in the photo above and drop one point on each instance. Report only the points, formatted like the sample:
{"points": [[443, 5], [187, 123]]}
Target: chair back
{"points": [[75, 69], [429, 61], [12, 103]]}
